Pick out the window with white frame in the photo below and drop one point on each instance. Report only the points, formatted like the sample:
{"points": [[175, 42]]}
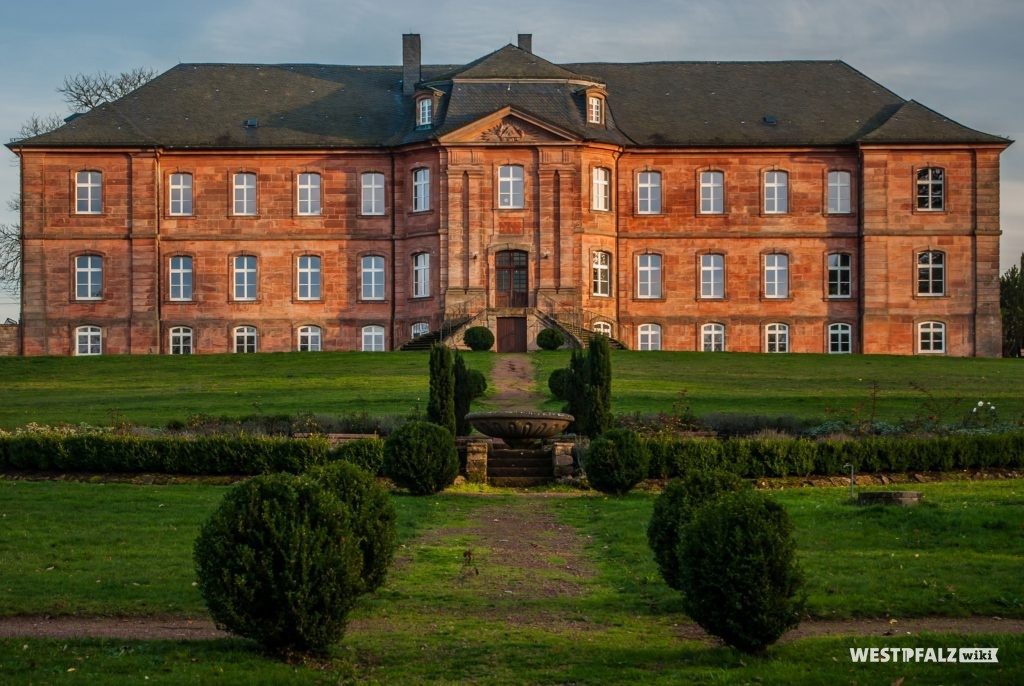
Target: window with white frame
{"points": [[421, 275], [424, 112], [931, 272], [373, 339], [648, 192], [180, 275], [712, 192], [245, 339], [88, 192], [839, 192], [180, 190], [603, 328], [712, 276], [776, 275], [931, 337], [776, 338], [88, 277], [840, 338], [309, 338], [776, 192], [600, 193], [601, 283], [510, 187], [840, 275], [309, 277], [649, 337], [245, 277], [421, 190], [420, 329], [309, 194], [372, 278], [594, 109], [372, 201], [180, 340], [88, 340], [712, 338], [931, 188], [244, 185]]}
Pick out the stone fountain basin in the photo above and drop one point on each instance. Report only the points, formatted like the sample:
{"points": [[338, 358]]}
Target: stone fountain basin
{"points": [[519, 428]]}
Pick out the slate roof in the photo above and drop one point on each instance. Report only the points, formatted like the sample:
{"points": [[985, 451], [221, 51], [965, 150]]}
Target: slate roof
{"points": [[205, 106]]}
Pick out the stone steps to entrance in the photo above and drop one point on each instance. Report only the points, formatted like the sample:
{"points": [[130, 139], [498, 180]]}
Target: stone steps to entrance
{"points": [[520, 471]]}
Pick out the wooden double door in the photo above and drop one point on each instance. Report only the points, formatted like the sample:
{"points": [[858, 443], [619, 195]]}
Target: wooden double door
{"points": [[512, 280], [511, 334]]}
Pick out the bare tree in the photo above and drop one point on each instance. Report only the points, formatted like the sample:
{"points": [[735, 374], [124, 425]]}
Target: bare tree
{"points": [[36, 125], [10, 251], [85, 91]]}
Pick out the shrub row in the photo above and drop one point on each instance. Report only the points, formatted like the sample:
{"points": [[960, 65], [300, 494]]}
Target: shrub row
{"points": [[208, 455], [753, 458]]}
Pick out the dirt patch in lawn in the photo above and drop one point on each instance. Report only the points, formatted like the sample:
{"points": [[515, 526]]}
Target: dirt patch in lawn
{"points": [[514, 384]]}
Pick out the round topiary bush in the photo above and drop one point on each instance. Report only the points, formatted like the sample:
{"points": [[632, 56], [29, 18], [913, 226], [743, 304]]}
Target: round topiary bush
{"points": [[278, 562], [616, 461], [550, 339], [558, 383], [373, 516], [478, 338], [738, 571], [421, 457], [674, 509], [365, 453]]}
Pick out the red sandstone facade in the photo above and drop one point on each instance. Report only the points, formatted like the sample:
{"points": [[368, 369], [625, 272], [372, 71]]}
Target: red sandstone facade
{"points": [[550, 239]]}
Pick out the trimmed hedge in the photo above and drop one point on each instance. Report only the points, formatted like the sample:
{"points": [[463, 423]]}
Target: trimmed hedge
{"points": [[478, 338], [772, 457], [616, 461], [208, 455], [366, 453], [550, 339], [421, 457]]}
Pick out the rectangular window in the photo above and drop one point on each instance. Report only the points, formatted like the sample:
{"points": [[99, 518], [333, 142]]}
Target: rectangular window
{"points": [[649, 337], [648, 276], [510, 187], [712, 276], [930, 188], [648, 193], [245, 277], [602, 278], [372, 278], [712, 196], [713, 338], [245, 339], [594, 109], [776, 192], [309, 339], [88, 192], [244, 194], [181, 340], [373, 339], [600, 194], [88, 277], [421, 275], [931, 273], [180, 195], [839, 192], [309, 194], [424, 112], [840, 339], [372, 193], [840, 275], [88, 340], [777, 338], [309, 277], [931, 337], [181, 277], [421, 190], [776, 276]]}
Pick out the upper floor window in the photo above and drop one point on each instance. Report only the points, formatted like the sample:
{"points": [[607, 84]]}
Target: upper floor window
{"points": [[373, 339], [776, 338], [600, 193], [602, 274], [88, 192], [931, 272], [424, 112], [603, 328], [309, 194], [712, 196], [649, 337], [840, 338], [712, 276], [245, 277], [244, 194], [931, 337], [180, 195], [309, 277], [712, 338], [595, 110], [309, 339], [648, 192], [88, 340], [88, 277], [839, 192], [840, 275], [180, 340], [420, 190], [245, 339], [372, 200], [776, 276], [372, 278], [420, 329], [510, 187], [776, 192], [421, 275], [648, 274], [180, 274], [930, 188]]}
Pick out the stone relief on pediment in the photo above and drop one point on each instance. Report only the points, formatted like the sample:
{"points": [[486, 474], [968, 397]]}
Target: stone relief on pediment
{"points": [[512, 130]]}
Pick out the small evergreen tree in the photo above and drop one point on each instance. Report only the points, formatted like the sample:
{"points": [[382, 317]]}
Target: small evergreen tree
{"points": [[600, 360], [469, 385], [441, 404], [577, 392], [1011, 305]]}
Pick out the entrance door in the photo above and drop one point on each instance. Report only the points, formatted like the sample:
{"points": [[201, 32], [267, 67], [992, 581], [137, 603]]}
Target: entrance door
{"points": [[511, 334], [512, 287]]}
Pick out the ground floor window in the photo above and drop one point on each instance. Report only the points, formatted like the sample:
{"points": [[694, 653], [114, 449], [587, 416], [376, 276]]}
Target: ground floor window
{"points": [[776, 338], [181, 340], [373, 339], [309, 339], [650, 337], [603, 328], [713, 338], [420, 329], [245, 339], [931, 337], [88, 340], [840, 338]]}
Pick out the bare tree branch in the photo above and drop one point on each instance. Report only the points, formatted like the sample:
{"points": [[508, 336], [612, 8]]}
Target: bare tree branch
{"points": [[37, 124], [83, 92], [10, 258]]}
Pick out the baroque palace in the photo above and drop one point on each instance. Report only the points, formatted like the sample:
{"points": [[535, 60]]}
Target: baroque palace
{"points": [[741, 206]]}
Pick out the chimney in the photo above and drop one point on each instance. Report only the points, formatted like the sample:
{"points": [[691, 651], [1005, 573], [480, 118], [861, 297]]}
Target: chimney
{"points": [[526, 42], [410, 62]]}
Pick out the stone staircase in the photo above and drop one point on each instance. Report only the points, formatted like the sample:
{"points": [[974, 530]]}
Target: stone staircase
{"points": [[525, 467], [428, 339], [579, 334]]}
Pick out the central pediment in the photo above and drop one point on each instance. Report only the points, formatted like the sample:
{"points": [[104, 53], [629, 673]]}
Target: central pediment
{"points": [[508, 127]]}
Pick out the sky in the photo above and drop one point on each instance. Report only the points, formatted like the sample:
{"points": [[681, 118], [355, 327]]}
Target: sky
{"points": [[963, 59]]}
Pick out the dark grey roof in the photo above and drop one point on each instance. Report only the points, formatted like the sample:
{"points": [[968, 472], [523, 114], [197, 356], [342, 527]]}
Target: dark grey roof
{"points": [[649, 104]]}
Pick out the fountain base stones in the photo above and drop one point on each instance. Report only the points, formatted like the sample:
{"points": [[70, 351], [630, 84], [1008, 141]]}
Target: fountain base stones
{"points": [[525, 455]]}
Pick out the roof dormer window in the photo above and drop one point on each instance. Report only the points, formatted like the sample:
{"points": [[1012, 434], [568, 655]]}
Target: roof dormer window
{"points": [[595, 109], [424, 112]]}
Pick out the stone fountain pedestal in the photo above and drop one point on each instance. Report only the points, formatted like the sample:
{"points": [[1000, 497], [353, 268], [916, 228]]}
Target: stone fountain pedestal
{"points": [[527, 453]]}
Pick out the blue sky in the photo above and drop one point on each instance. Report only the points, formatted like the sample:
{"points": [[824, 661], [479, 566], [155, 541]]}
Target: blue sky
{"points": [[964, 59]]}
